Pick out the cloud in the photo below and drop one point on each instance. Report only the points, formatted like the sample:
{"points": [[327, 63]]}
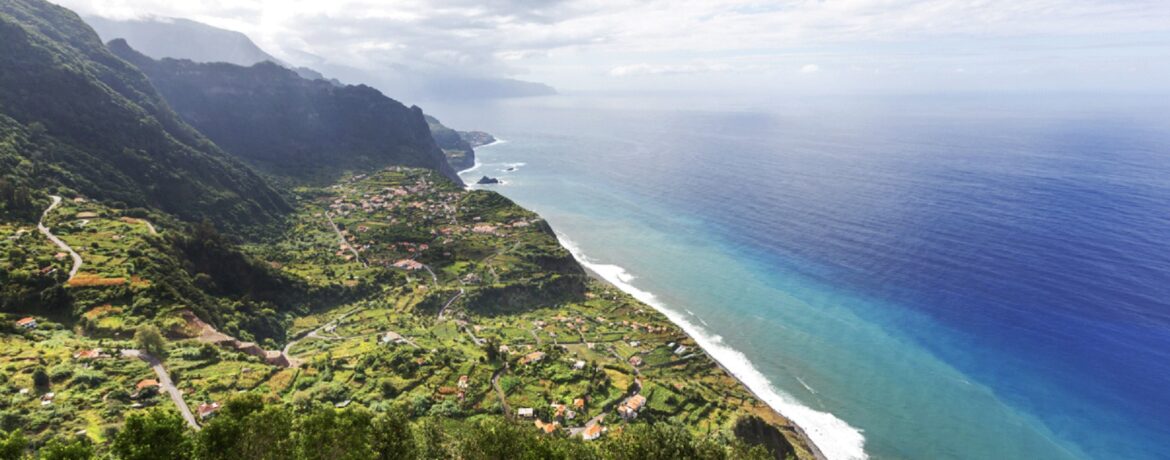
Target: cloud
{"points": [[677, 69], [575, 40], [810, 68]]}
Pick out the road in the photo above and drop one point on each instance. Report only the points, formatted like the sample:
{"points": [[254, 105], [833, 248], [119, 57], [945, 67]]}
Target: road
{"points": [[449, 302], [57, 241], [500, 391], [164, 381], [294, 362], [341, 238]]}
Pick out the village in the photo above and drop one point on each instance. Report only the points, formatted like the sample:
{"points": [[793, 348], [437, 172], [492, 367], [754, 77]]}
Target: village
{"points": [[446, 321]]}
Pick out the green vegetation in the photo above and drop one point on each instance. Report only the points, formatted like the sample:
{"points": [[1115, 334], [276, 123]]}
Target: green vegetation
{"points": [[386, 313], [78, 119], [247, 428]]}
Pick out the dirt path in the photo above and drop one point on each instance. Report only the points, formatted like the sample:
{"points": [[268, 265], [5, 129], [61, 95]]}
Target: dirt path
{"points": [[57, 241], [341, 238], [164, 381]]}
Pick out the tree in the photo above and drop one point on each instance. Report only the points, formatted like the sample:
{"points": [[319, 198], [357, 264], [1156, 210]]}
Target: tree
{"points": [[330, 434], [150, 340], [246, 430], [392, 438], [40, 377], [78, 449], [152, 435], [12, 445]]}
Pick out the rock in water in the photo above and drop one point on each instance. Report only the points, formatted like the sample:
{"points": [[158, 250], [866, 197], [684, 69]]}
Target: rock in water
{"points": [[485, 180]]}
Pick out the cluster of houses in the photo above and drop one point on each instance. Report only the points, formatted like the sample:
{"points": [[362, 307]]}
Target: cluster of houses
{"points": [[562, 413], [629, 409]]}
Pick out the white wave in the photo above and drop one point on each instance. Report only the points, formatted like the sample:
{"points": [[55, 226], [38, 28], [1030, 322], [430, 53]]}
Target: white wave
{"points": [[805, 385], [498, 141], [472, 168], [834, 437]]}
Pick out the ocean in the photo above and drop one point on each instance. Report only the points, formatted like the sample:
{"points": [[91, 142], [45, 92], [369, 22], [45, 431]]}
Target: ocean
{"points": [[917, 277]]}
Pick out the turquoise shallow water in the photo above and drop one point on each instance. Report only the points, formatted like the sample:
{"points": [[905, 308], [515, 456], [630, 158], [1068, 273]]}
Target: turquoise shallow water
{"points": [[789, 253]]}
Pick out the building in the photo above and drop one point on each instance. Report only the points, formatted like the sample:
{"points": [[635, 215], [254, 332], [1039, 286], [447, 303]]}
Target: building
{"points": [[635, 361], [408, 264], [558, 410], [579, 365], [629, 409], [27, 323], [463, 383], [592, 432], [579, 403], [534, 357], [146, 383], [681, 349], [525, 412], [88, 354], [636, 402], [207, 410]]}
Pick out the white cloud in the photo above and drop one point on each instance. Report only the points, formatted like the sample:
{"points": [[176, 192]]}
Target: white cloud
{"points": [[669, 69], [810, 68], [572, 42]]}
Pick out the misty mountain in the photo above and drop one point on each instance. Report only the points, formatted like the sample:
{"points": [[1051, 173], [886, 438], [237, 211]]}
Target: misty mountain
{"points": [[291, 126], [182, 39], [75, 118], [185, 39]]}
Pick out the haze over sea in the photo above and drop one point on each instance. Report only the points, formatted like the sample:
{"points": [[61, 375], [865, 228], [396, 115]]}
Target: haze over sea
{"points": [[905, 277]]}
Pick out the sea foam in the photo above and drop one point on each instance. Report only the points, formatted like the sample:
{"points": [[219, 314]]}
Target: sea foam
{"points": [[835, 438]]}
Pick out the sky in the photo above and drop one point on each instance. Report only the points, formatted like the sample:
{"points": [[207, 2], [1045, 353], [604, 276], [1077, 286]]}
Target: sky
{"points": [[714, 46]]}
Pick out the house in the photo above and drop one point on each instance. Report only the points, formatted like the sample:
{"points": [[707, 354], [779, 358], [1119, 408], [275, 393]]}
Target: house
{"points": [[558, 410], [548, 428], [636, 402], [47, 398], [592, 432], [629, 409], [88, 354], [463, 382], [27, 323], [680, 350], [534, 357], [579, 403], [525, 412], [207, 410], [579, 365], [635, 361], [407, 264], [393, 337], [146, 383]]}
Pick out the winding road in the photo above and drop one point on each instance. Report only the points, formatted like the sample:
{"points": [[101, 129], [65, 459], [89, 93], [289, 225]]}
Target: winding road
{"points": [[57, 241], [164, 381], [294, 362]]}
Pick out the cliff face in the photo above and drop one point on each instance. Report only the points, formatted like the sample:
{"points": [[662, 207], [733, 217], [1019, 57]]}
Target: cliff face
{"points": [[75, 116], [458, 151], [290, 126]]}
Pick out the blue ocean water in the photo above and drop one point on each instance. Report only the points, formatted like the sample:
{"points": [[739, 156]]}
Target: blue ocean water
{"points": [[906, 278]]}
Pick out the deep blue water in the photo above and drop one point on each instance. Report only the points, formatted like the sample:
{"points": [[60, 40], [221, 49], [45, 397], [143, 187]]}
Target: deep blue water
{"points": [[968, 279]]}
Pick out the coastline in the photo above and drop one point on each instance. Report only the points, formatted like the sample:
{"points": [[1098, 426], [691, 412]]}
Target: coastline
{"points": [[818, 432], [809, 444]]}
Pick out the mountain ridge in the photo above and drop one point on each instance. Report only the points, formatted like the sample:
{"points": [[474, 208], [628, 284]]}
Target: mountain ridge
{"points": [[290, 126]]}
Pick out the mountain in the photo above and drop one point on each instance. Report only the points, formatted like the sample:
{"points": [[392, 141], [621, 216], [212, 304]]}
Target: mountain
{"points": [[182, 39], [75, 117], [459, 152], [458, 146], [290, 126]]}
